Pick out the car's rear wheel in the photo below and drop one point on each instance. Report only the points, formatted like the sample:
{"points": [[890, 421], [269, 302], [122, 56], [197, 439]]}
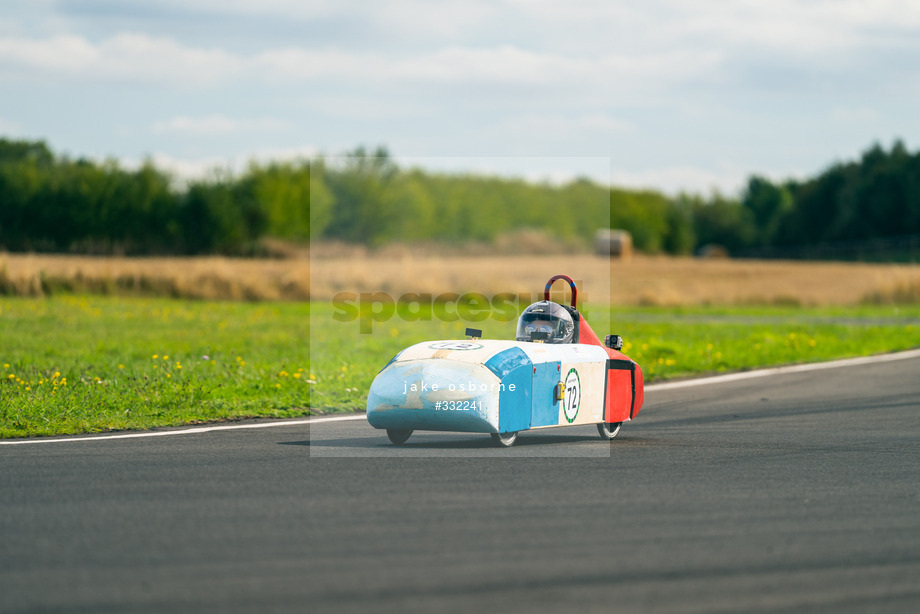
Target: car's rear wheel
{"points": [[399, 436], [504, 440], [609, 431]]}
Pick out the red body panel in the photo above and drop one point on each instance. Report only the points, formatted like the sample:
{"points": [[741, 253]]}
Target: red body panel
{"points": [[586, 334], [625, 386]]}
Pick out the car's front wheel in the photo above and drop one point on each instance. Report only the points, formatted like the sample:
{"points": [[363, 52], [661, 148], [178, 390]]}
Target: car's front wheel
{"points": [[609, 431], [399, 436], [504, 440]]}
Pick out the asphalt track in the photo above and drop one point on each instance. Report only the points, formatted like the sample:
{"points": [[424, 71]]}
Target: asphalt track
{"points": [[795, 492]]}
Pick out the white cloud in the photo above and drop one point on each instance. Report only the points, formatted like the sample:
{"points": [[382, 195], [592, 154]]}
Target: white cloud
{"points": [[212, 125], [479, 40], [503, 64], [684, 178], [781, 25], [511, 65], [681, 42], [140, 57], [123, 57], [826, 31], [300, 64], [60, 53]]}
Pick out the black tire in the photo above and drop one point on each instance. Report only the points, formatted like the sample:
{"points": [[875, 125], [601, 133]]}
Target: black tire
{"points": [[399, 436], [504, 440], [609, 431]]}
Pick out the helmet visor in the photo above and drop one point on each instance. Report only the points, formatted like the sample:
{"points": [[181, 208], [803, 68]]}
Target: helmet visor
{"points": [[540, 326]]}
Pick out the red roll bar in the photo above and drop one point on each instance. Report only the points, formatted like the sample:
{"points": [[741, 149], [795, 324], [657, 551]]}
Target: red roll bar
{"points": [[549, 284]]}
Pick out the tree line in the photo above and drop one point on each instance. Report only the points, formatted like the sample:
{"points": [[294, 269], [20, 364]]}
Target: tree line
{"points": [[52, 203], [873, 198]]}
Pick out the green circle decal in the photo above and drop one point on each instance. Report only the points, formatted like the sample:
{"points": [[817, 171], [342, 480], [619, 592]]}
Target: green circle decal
{"points": [[571, 398]]}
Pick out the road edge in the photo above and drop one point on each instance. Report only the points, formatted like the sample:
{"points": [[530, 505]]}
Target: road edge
{"points": [[703, 381]]}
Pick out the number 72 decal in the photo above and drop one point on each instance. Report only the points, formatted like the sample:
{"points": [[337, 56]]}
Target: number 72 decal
{"points": [[572, 397]]}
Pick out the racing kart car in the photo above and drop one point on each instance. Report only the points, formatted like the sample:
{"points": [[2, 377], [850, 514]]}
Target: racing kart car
{"points": [[556, 372]]}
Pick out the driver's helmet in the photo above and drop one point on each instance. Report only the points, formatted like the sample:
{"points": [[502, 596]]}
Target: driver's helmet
{"points": [[546, 321]]}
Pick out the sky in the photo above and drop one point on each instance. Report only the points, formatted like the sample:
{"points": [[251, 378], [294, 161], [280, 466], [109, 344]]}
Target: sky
{"points": [[672, 95]]}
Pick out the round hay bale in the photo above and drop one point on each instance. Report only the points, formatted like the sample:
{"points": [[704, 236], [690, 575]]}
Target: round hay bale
{"points": [[614, 243]]}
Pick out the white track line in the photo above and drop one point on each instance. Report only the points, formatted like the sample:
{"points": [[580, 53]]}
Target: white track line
{"points": [[705, 381], [191, 431], [814, 366]]}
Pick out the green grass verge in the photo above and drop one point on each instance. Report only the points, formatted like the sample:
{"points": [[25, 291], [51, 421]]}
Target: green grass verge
{"points": [[89, 364]]}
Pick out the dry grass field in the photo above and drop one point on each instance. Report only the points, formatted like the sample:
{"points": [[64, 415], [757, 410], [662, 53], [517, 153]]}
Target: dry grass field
{"points": [[196, 278], [639, 281]]}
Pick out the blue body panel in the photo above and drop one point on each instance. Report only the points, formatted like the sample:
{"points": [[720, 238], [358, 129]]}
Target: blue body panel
{"points": [[514, 369], [507, 361], [515, 406], [545, 406]]}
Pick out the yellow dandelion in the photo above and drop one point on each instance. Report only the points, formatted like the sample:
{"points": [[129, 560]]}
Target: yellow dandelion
{"points": [[6, 366], [169, 375], [155, 356], [165, 357], [121, 366], [277, 385], [297, 375], [11, 376]]}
